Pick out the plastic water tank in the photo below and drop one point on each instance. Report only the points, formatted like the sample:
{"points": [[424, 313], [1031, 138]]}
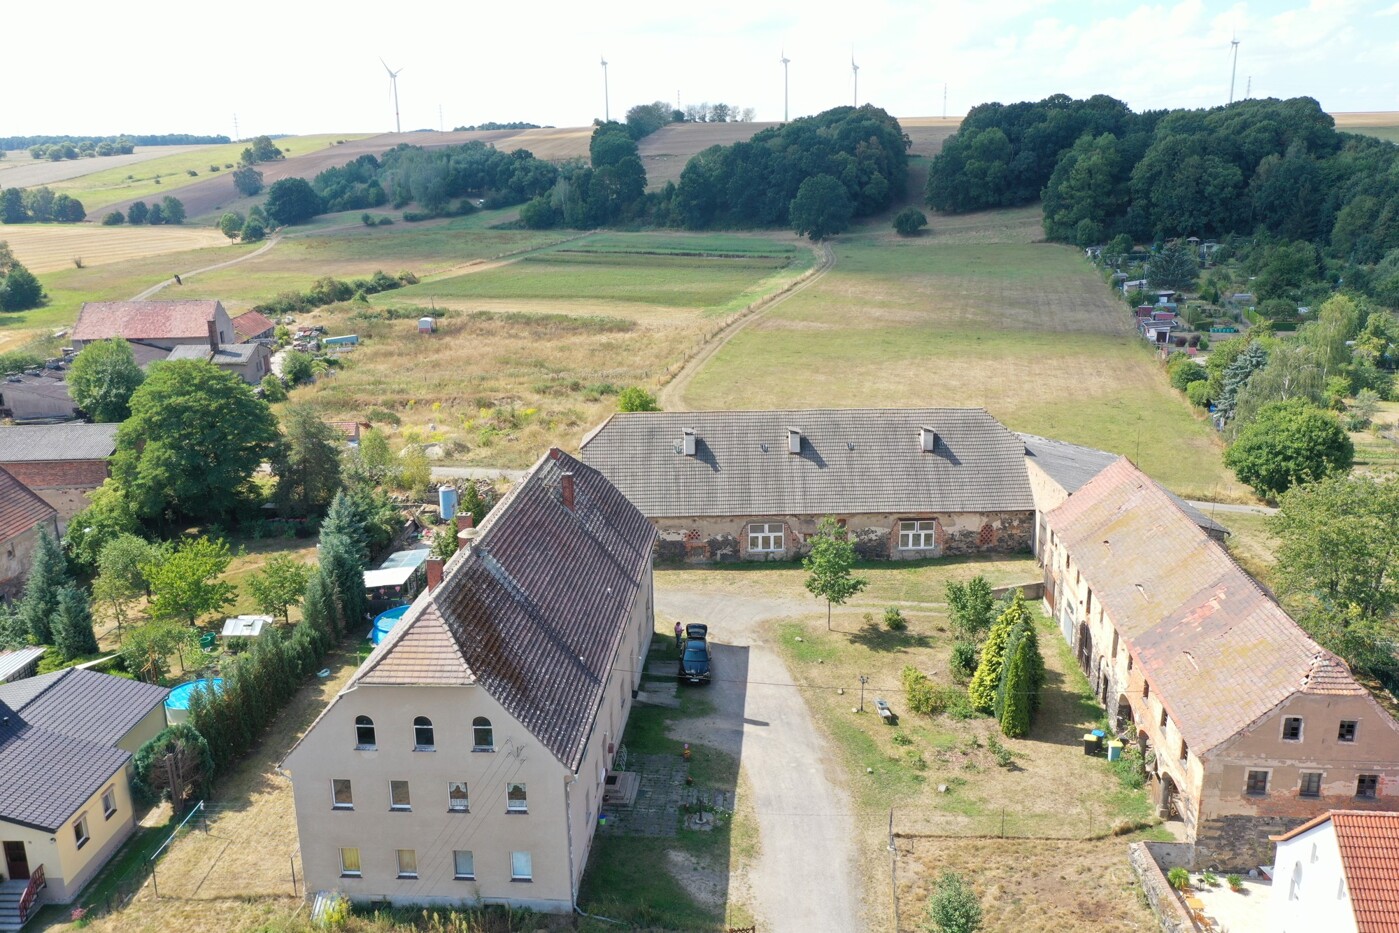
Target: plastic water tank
{"points": [[447, 502]]}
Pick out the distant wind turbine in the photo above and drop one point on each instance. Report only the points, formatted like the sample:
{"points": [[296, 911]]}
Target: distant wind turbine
{"points": [[1234, 43], [784, 61], [393, 81], [855, 70], [606, 95]]}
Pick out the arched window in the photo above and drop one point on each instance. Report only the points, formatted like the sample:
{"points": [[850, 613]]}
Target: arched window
{"points": [[422, 734], [364, 732], [483, 736]]}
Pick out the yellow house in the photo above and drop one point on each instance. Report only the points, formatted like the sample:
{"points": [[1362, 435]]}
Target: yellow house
{"points": [[466, 759], [66, 742]]}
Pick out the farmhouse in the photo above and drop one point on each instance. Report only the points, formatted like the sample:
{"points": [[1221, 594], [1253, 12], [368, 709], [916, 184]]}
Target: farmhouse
{"points": [[63, 463], [1249, 727], [41, 395], [248, 361], [66, 741], [1337, 873], [466, 759], [162, 324], [252, 325], [752, 485], [23, 517]]}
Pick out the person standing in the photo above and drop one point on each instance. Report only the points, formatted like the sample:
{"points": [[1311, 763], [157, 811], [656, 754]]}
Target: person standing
{"points": [[679, 634]]}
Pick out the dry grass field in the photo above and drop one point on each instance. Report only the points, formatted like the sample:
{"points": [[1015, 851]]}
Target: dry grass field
{"points": [[1384, 124], [51, 247], [18, 170]]}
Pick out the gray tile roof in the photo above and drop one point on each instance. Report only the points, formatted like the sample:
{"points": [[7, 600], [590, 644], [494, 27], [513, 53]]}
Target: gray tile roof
{"points": [[229, 354], [1072, 466], [76, 441], [852, 461], [12, 662], [535, 610], [58, 736]]}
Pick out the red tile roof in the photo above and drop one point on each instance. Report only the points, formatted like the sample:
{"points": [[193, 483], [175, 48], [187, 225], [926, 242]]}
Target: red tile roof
{"points": [[144, 320], [20, 507], [1369, 844], [1217, 650], [251, 324]]}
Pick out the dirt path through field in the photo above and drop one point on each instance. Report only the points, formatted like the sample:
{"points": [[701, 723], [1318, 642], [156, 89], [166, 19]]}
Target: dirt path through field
{"points": [[222, 265], [672, 394]]}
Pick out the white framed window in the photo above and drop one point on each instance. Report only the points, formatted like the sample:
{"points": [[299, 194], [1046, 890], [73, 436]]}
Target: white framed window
{"points": [[521, 867], [349, 863], [423, 735], [457, 799], [342, 795], [463, 865], [482, 735], [407, 863], [515, 799], [766, 537], [80, 834], [398, 796], [364, 732], [918, 535], [109, 803]]}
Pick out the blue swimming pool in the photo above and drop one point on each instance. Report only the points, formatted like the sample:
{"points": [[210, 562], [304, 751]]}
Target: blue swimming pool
{"points": [[385, 621]]}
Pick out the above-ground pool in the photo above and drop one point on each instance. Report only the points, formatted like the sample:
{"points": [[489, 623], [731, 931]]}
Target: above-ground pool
{"points": [[385, 621], [177, 703]]}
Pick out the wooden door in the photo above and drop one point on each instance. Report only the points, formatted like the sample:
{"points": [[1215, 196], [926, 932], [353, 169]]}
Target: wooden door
{"points": [[16, 861]]}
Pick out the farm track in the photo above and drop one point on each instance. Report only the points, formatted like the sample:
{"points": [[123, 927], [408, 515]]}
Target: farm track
{"points": [[672, 394], [222, 265]]}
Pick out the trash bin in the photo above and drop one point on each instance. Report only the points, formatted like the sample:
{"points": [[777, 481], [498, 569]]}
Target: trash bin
{"points": [[208, 640], [1091, 743], [1114, 750]]}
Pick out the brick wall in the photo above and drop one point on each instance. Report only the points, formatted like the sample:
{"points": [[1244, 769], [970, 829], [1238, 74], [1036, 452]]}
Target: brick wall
{"points": [[54, 474]]}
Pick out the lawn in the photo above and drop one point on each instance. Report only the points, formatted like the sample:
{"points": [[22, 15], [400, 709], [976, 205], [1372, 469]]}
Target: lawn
{"points": [[977, 314], [1251, 544]]}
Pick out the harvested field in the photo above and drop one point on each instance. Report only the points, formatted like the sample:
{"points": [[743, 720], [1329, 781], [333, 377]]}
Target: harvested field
{"points": [[1384, 124], [665, 152], [51, 247], [18, 170]]}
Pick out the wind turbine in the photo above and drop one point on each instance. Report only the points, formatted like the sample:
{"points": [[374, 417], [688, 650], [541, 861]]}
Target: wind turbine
{"points": [[855, 70], [606, 96], [1234, 42], [784, 61], [393, 81]]}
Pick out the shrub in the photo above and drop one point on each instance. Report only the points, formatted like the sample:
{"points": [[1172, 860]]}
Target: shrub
{"points": [[909, 221], [894, 620], [1179, 878], [953, 906], [1183, 374], [1003, 756], [963, 660], [1198, 393], [1235, 882], [114, 219], [383, 416], [633, 398], [272, 389]]}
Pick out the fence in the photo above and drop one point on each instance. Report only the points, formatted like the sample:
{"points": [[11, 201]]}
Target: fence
{"points": [[235, 852]]}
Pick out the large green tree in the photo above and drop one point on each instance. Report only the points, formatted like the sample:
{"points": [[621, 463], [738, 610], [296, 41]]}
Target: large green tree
{"points": [[1287, 444], [829, 566], [186, 584], [72, 625], [48, 575], [279, 585], [308, 464], [292, 201], [109, 515], [821, 208], [194, 438], [175, 765], [1175, 268], [971, 608], [247, 180], [103, 378]]}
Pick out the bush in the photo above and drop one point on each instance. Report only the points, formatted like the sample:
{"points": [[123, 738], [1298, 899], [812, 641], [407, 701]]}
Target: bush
{"points": [[272, 389], [923, 696], [909, 221], [633, 398], [953, 907], [383, 416], [1179, 878], [1185, 373], [1199, 393], [114, 219], [964, 658], [894, 620]]}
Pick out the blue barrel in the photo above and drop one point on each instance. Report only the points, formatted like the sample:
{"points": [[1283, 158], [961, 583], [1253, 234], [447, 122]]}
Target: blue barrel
{"points": [[447, 502]]}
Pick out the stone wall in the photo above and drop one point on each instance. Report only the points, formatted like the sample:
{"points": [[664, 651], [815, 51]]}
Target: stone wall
{"points": [[1239, 842], [1165, 904]]}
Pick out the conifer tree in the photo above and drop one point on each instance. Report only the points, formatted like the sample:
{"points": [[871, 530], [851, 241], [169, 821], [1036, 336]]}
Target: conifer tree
{"points": [[986, 681], [72, 625], [1236, 376], [47, 577], [347, 519]]}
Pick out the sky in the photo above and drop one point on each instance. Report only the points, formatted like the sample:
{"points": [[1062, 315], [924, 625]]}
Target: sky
{"points": [[296, 67]]}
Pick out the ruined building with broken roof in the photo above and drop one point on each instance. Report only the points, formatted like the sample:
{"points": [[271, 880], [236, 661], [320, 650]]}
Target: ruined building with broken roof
{"points": [[466, 759]]}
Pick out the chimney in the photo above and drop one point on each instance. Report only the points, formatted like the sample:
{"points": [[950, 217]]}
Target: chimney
{"points": [[466, 520], [566, 487], [794, 440], [688, 439], [213, 336], [927, 439], [434, 572], [554, 453]]}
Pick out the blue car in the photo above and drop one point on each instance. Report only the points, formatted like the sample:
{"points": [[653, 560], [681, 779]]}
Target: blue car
{"points": [[695, 658]]}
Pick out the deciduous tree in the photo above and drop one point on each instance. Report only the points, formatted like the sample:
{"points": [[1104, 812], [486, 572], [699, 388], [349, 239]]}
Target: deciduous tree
{"points": [[247, 180], [821, 208], [109, 515], [953, 907], [279, 585], [103, 378], [292, 201], [829, 566], [634, 398], [1288, 444], [185, 585], [972, 608], [231, 224], [308, 464]]}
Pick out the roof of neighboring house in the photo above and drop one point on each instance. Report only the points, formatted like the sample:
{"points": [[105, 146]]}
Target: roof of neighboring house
{"points": [[147, 353], [73, 441], [1369, 844], [535, 609], [58, 736], [851, 461], [1071, 465], [144, 320], [229, 354], [20, 507], [11, 662], [49, 383], [252, 324], [1217, 650]]}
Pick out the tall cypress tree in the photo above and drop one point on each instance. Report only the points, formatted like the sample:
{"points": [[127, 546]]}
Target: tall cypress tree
{"points": [[72, 625], [48, 575], [346, 518], [344, 571], [1017, 688]]}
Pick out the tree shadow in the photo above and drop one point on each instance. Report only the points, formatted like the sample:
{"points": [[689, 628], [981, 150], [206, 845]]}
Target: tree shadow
{"points": [[875, 637]]}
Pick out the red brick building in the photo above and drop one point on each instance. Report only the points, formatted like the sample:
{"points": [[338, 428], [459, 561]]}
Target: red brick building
{"points": [[61, 463]]}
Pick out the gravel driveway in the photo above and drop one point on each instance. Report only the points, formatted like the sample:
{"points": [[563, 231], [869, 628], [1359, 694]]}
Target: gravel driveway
{"points": [[804, 877]]}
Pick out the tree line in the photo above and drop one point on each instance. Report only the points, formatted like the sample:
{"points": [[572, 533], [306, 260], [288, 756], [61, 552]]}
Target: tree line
{"points": [[125, 140], [39, 206]]}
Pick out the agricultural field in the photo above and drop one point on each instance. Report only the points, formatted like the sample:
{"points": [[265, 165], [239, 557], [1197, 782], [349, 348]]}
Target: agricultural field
{"points": [[51, 247], [976, 314], [18, 170], [1383, 124]]}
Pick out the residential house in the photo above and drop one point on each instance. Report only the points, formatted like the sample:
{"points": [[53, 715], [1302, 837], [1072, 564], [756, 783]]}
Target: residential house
{"points": [[352, 430], [753, 485], [252, 325], [20, 663], [66, 742], [1249, 727], [23, 517], [63, 463], [248, 361], [1338, 873], [160, 324], [465, 760], [38, 395]]}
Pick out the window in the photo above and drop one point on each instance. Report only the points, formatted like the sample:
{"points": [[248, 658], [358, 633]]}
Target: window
{"points": [[483, 739], [456, 796], [422, 735], [398, 796], [521, 867], [1367, 785], [918, 535], [341, 795], [1184, 751], [1146, 687], [1311, 784], [109, 803], [1347, 731], [1294, 890], [1257, 783], [1292, 729], [463, 865], [1165, 718], [407, 863], [515, 801], [364, 732], [1114, 645], [349, 863], [766, 537], [80, 835]]}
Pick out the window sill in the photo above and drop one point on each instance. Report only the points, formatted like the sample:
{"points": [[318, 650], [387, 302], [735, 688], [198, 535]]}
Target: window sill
{"points": [[424, 748], [412, 877], [83, 843], [400, 809], [458, 809], [517, 813], [351, 874], [482, 748], [342, 806], [463, 877], [109, 814], [366, 748], [521, 880]]}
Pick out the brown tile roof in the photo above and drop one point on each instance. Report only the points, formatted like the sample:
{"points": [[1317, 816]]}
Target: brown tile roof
{"points": [[535, 609], [251, 324], [20, 507], [1369, 844], [1217, 650], [144, 320]]}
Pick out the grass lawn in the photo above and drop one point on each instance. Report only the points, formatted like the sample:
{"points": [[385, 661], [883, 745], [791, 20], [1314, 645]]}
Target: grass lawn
{"points": [[977, 314], [1250, 544]]}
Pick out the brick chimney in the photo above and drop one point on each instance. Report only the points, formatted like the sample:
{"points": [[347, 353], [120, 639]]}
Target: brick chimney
{"points": [[434, 572], [213, 336], [566, 487], [466, 530]]}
